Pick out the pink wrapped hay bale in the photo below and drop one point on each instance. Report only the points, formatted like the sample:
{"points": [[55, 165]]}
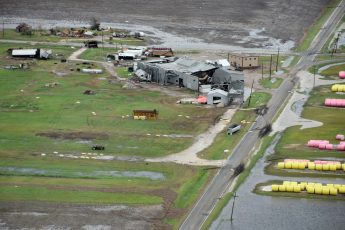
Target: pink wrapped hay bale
{"points": [[340, 137], [342, 74], [341, 147]]}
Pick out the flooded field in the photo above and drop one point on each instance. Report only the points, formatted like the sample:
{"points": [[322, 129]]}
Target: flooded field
{"points": [[251, 24], [254, 211]]}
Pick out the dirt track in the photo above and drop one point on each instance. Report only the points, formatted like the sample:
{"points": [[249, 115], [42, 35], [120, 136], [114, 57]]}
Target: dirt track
{"points": [[247, 23]]}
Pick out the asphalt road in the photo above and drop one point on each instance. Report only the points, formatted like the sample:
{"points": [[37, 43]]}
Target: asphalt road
{"points": [[225, 176]]}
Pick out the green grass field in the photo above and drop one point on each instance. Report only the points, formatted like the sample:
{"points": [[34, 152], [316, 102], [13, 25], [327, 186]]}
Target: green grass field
{"points": [[293, 142], [36, 119], [267, 83]]}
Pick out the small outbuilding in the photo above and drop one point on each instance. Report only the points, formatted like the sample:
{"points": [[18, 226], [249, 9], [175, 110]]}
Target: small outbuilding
{"points": [[218, 96], [148, 114]]}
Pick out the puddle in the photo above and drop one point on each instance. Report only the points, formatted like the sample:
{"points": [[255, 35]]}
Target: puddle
{"points": [[92, 174]]}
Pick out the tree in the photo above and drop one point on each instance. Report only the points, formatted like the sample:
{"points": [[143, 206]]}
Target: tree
{"points": [[94, 24]]}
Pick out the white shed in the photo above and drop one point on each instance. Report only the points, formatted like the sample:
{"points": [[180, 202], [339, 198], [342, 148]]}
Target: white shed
{"points": [[217, 96]]}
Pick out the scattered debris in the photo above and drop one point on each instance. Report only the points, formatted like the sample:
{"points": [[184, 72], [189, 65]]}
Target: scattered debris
{"points": [[89, 92]]}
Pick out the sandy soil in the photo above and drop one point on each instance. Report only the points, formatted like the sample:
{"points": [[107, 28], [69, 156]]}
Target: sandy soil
{"points": [[246, 23]]}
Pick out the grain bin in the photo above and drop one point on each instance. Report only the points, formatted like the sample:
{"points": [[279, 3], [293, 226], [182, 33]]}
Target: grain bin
{"points": [[318, 189], [311, 166], [282, 188], [275, 187], [325, 190], [296, 188], [289, 188], [310, 189], [333, 191], [281, 165]]}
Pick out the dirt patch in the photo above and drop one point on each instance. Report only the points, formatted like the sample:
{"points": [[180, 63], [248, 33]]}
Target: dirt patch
{"points": [[74, 135]]}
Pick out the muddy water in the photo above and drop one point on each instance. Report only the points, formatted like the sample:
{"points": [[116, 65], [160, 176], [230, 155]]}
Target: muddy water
{"points": [[92, 174], [264, 212]]}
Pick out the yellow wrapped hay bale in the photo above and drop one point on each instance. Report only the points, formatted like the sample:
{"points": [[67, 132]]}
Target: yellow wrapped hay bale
{"points": [[275, 187], [296, 188], [333, 167], [338, 165], [311, 184], [334, 88], [337, 186], [330, 185], [301, 165], [286, 183], [310, 190], [288, 165], [136, 118], [341, 189], [343, 166], [318, 184], [325, 167], [303, 185], [294, 165], [282, 188], [311, 165], [325, 190], [289, 188], [318, 166], [281, 165], [318, 189], [333, 191], [293, 183]]}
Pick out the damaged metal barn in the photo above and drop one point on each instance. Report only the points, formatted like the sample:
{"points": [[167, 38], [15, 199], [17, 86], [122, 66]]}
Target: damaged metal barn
{"points": [[195, 75]]}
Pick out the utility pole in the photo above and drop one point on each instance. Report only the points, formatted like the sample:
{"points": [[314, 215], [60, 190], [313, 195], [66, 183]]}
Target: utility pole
{"points": [[277, 60], [250, 96], [233, 206], [3, 28], [271, 67], [314, 76], [262, 70]]}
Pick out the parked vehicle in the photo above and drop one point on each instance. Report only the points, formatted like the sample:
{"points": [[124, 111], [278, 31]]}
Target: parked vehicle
{"points": [[233, 129]]}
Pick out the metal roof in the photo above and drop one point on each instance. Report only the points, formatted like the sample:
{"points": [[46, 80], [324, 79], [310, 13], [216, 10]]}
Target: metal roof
{"points": [[186, 65], [218, 91], [24, 52]]}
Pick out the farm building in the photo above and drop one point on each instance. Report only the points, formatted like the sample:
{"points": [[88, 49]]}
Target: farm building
{"points": [[242, 61], [148, 114], [195, 75], [218, 96], [158, 52], [31, 53]]}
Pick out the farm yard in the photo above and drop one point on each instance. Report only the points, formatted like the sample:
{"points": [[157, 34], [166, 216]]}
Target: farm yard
{"points": [[48, 126]]}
